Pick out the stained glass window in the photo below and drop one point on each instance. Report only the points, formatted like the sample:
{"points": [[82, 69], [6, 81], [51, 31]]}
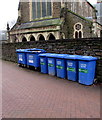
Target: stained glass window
{"points": [[38, 9], [34, 10], [49, 9], [43, 8]]}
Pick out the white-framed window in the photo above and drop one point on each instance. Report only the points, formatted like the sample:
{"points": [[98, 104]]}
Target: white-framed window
{"points": [[78, 30]]}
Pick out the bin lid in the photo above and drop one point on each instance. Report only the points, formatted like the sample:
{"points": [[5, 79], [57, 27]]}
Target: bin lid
{"points": [[21, 50], [55, 55], [44, 54], [31, 50], [35, 50], [61, 55], [87, 58], [72, 57]]}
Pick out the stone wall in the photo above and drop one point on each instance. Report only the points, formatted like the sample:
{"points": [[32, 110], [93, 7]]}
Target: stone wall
{"points": [[56, 9], [86, 46]]}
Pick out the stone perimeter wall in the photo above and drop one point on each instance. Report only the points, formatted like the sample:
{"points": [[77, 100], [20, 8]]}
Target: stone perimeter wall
{"points": [[85, 46]]}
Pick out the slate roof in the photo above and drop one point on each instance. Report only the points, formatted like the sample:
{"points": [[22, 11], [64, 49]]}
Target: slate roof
{"points": [[40, 23]]}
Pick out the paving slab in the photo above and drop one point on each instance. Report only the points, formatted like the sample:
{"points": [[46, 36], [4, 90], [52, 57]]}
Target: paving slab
{"points": [[31, 94]]}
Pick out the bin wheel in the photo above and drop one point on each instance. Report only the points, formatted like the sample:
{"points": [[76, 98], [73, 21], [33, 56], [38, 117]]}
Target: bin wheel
{"points": [[19, 65], [35, 68], [24, 65], [27, 66], [95, 81]]}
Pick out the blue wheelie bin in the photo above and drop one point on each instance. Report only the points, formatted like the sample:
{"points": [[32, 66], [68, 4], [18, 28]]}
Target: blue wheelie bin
{"points": [[87, 65], [21, 56], [44, 62], [51, 64], [72, 67], [33, 58], [61, 65]]}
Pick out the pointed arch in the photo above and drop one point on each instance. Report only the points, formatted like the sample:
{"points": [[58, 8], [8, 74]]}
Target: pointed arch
{"points": [[76, 34], [32, 38], [80, 34], [24, 39], [51, 37], [41, 37]]}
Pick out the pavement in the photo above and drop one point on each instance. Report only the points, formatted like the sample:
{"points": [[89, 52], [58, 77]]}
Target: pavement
{"points": [[31, 94]]}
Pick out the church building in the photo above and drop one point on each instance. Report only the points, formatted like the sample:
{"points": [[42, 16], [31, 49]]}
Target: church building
{"points": [[48, 20]]}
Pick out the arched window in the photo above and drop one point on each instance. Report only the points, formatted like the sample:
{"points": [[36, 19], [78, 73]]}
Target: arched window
{"points": [[76, 34], [41, 38], [32, 38], [24, 39], [51, 37], [80, 34]]}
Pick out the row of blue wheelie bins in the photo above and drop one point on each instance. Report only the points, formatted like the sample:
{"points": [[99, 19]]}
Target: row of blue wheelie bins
{"points": [[73, 67]]}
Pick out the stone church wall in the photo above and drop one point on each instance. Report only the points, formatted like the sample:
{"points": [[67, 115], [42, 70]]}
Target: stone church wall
{"points": [[56, 6], [70, 19], [24, 11]]}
